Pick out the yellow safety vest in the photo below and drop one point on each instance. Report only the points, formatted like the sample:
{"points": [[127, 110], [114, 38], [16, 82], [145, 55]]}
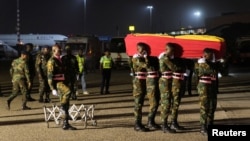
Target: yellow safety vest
{"points": [[106, 62], [81, 61]]}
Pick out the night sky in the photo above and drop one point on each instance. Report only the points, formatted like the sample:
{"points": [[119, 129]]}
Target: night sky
{"points": [[110, 17]]}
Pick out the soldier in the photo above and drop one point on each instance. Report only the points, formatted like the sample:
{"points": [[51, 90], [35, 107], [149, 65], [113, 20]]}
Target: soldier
{"points": [[71, 71], [41, 68], [32, 70], [19, 73], [145, 81], [106, 65], [171, 84], [56, 82], [206, 70]]}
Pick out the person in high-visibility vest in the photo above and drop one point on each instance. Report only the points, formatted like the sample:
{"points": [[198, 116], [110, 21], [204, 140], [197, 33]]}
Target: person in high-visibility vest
{"points": [[106, 64], [82, 71]]}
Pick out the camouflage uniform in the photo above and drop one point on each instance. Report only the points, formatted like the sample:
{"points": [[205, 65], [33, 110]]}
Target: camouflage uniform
{"points": [[171, 84], [145, 82], [56, 82], [41, 68], [178, 85], [153, 92], [19, 73], [71, 71], [165, 86], [207, 73]]}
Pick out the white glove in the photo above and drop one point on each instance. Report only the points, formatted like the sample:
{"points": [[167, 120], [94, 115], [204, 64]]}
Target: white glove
{"points": [[201, 60], [54, 92], [187, 73], [222, 60]]}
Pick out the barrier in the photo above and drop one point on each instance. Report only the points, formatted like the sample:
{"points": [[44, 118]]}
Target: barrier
{"points": [[76, 113]]}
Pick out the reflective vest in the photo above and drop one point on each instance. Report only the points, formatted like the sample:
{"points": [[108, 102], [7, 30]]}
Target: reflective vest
{"points": [[81, 61], [106, 62]]}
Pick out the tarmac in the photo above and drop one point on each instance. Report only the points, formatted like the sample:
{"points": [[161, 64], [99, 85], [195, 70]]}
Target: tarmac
{"points": [[114, 112]]}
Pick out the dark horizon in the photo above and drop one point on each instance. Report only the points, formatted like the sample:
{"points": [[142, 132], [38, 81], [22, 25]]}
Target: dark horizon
{"points": [[110, 17]]}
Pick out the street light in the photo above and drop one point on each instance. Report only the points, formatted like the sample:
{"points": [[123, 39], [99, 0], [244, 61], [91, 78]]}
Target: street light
{"points": [[18, 22], [197, 13], [150, 7], [85, 17]]}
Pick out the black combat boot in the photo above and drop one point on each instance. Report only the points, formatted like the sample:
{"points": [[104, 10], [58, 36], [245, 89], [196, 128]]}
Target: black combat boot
{"points": [[152, 125], [167, 129], [47, 99], [8, 104], [66, 125], [24, 107], [40, 99], [204, 130], [73, 96], [139, 127], [174, 125]]}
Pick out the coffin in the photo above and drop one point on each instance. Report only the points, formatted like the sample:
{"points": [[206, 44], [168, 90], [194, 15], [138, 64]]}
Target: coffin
{"points": [[189, 46]]}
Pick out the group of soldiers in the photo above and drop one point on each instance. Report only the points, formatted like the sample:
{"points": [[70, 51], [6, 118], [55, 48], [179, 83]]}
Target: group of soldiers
{"points": [[163, 79], [57, 74]]}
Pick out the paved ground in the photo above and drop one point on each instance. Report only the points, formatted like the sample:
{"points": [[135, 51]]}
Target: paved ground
{"points": [[114, 112]]}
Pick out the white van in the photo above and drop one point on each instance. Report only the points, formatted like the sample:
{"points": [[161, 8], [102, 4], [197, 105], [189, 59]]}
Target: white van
{"points": [[117, 50]]}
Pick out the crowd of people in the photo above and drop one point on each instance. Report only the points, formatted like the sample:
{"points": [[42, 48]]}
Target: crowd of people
{"points": [[162, 79]]}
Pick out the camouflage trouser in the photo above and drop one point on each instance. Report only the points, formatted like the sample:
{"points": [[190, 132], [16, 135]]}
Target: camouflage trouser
{"points": [[141, 87], [20, 85], [43, 87], [71, 82], [207, 101], [139, 92], [177, 88], [64, 92], [166, 96], [28, 93], [153, 95]]}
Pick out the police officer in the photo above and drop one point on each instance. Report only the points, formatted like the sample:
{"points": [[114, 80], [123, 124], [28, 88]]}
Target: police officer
{"points": [[32, 70], [145, 81], [56, 82], [41, 68], [171, 84], [106, 65], [71, 71], [19, 73], [207, 72]]}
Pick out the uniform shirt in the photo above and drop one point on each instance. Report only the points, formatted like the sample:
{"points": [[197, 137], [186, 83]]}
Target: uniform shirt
{"points": [[171, 64], [139, 63], [54, 67], [19, 70], [41, 64], [165, 63], [106, 62], [205, 68]]}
